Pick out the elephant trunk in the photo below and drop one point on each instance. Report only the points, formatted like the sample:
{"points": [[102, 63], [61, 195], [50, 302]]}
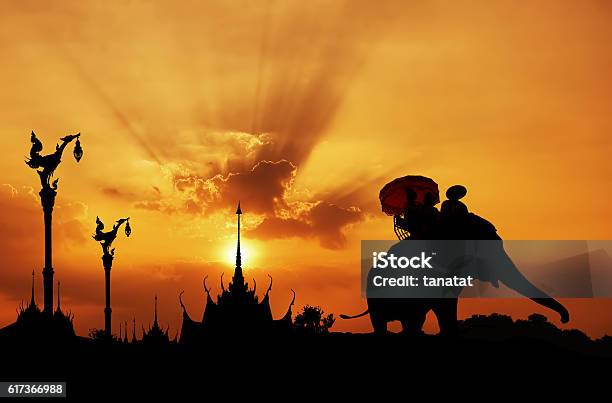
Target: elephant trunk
{"points": [[515, 280], [555, 305]]}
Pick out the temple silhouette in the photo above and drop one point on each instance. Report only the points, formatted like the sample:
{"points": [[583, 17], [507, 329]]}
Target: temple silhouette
{"points": [[32, 322], [237, 309], [155, 335]]}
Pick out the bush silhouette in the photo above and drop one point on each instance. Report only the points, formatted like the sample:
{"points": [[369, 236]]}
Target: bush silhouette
{"points": [[312, 320], [99, 335]]}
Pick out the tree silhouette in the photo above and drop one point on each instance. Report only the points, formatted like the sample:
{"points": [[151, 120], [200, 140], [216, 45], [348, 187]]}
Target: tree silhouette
{"points": [[100, 335], [312, 320]]}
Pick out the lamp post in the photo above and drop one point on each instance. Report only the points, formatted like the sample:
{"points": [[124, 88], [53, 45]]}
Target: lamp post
{"points": [[45, 166], [106, 239]]}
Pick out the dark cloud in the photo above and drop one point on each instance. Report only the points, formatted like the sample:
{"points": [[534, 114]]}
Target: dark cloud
{"points": [[264, 187], [324, 221], [116, 192], [278, 228], [329, 221], [263, 190]]}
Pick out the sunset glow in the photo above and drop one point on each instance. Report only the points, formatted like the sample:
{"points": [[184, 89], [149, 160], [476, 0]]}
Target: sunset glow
{"points": [[303, 116], [247, 253]]}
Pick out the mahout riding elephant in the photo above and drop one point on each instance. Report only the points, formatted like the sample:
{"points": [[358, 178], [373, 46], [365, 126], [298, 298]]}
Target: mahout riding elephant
{"points": [[488, 262]]}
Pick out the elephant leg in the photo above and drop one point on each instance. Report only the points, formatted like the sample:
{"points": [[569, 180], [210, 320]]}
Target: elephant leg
{"points": [[379, 324], [414, 313], [413, 326], [446, 312]]}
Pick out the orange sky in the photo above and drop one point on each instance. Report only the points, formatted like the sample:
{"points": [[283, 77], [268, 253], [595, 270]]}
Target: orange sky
{"points": [[302, 111]]}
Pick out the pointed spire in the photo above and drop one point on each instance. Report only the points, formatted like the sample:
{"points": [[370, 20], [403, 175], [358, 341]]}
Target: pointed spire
{"points": [[119, 331], [32, 303], [58, 297], [134, 330], [155, 321], [237, 284], [238, 255]]}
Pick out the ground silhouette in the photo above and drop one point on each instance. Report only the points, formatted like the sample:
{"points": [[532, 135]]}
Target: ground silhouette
{"points": [[485, 345]]}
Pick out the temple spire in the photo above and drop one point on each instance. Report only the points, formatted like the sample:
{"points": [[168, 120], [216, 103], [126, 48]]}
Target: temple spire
{"points": [[238, 255], [155, 321], [238, 284], [58, 297], [134, 330], [32, 303]]}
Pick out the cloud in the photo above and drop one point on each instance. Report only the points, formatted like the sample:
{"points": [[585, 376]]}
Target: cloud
{"points": [[264, 191], [21, 216], [74, 231], [324, 221], [115, 192], [157, 205], [22, 246], [22, 224], [264, 186]]}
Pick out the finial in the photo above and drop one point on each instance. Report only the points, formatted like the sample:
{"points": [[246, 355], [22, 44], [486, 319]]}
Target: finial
{"points": [[58, 296], [155, 321], [32, 299], [238, 254]]}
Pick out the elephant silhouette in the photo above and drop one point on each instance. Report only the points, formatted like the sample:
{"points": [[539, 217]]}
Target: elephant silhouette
{"points": [[459, 228]]}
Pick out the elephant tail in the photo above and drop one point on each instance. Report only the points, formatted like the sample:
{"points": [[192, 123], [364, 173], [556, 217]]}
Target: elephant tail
{"points": [[364, 313]]}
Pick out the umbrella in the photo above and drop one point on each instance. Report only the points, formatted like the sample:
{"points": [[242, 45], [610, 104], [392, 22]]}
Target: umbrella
{"points": [[393, 195]]}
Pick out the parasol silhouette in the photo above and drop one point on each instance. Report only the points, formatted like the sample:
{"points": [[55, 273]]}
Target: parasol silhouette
{"points": [[393, 195], [394, 202]]}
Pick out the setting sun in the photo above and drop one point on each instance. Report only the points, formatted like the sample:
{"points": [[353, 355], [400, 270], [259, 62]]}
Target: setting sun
{"points": [[247, 253]]}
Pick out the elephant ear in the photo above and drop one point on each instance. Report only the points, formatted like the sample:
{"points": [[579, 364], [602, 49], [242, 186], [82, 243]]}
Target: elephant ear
{"points": [[480, 229], [484, 270], [479, 259], [481, 268]]}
